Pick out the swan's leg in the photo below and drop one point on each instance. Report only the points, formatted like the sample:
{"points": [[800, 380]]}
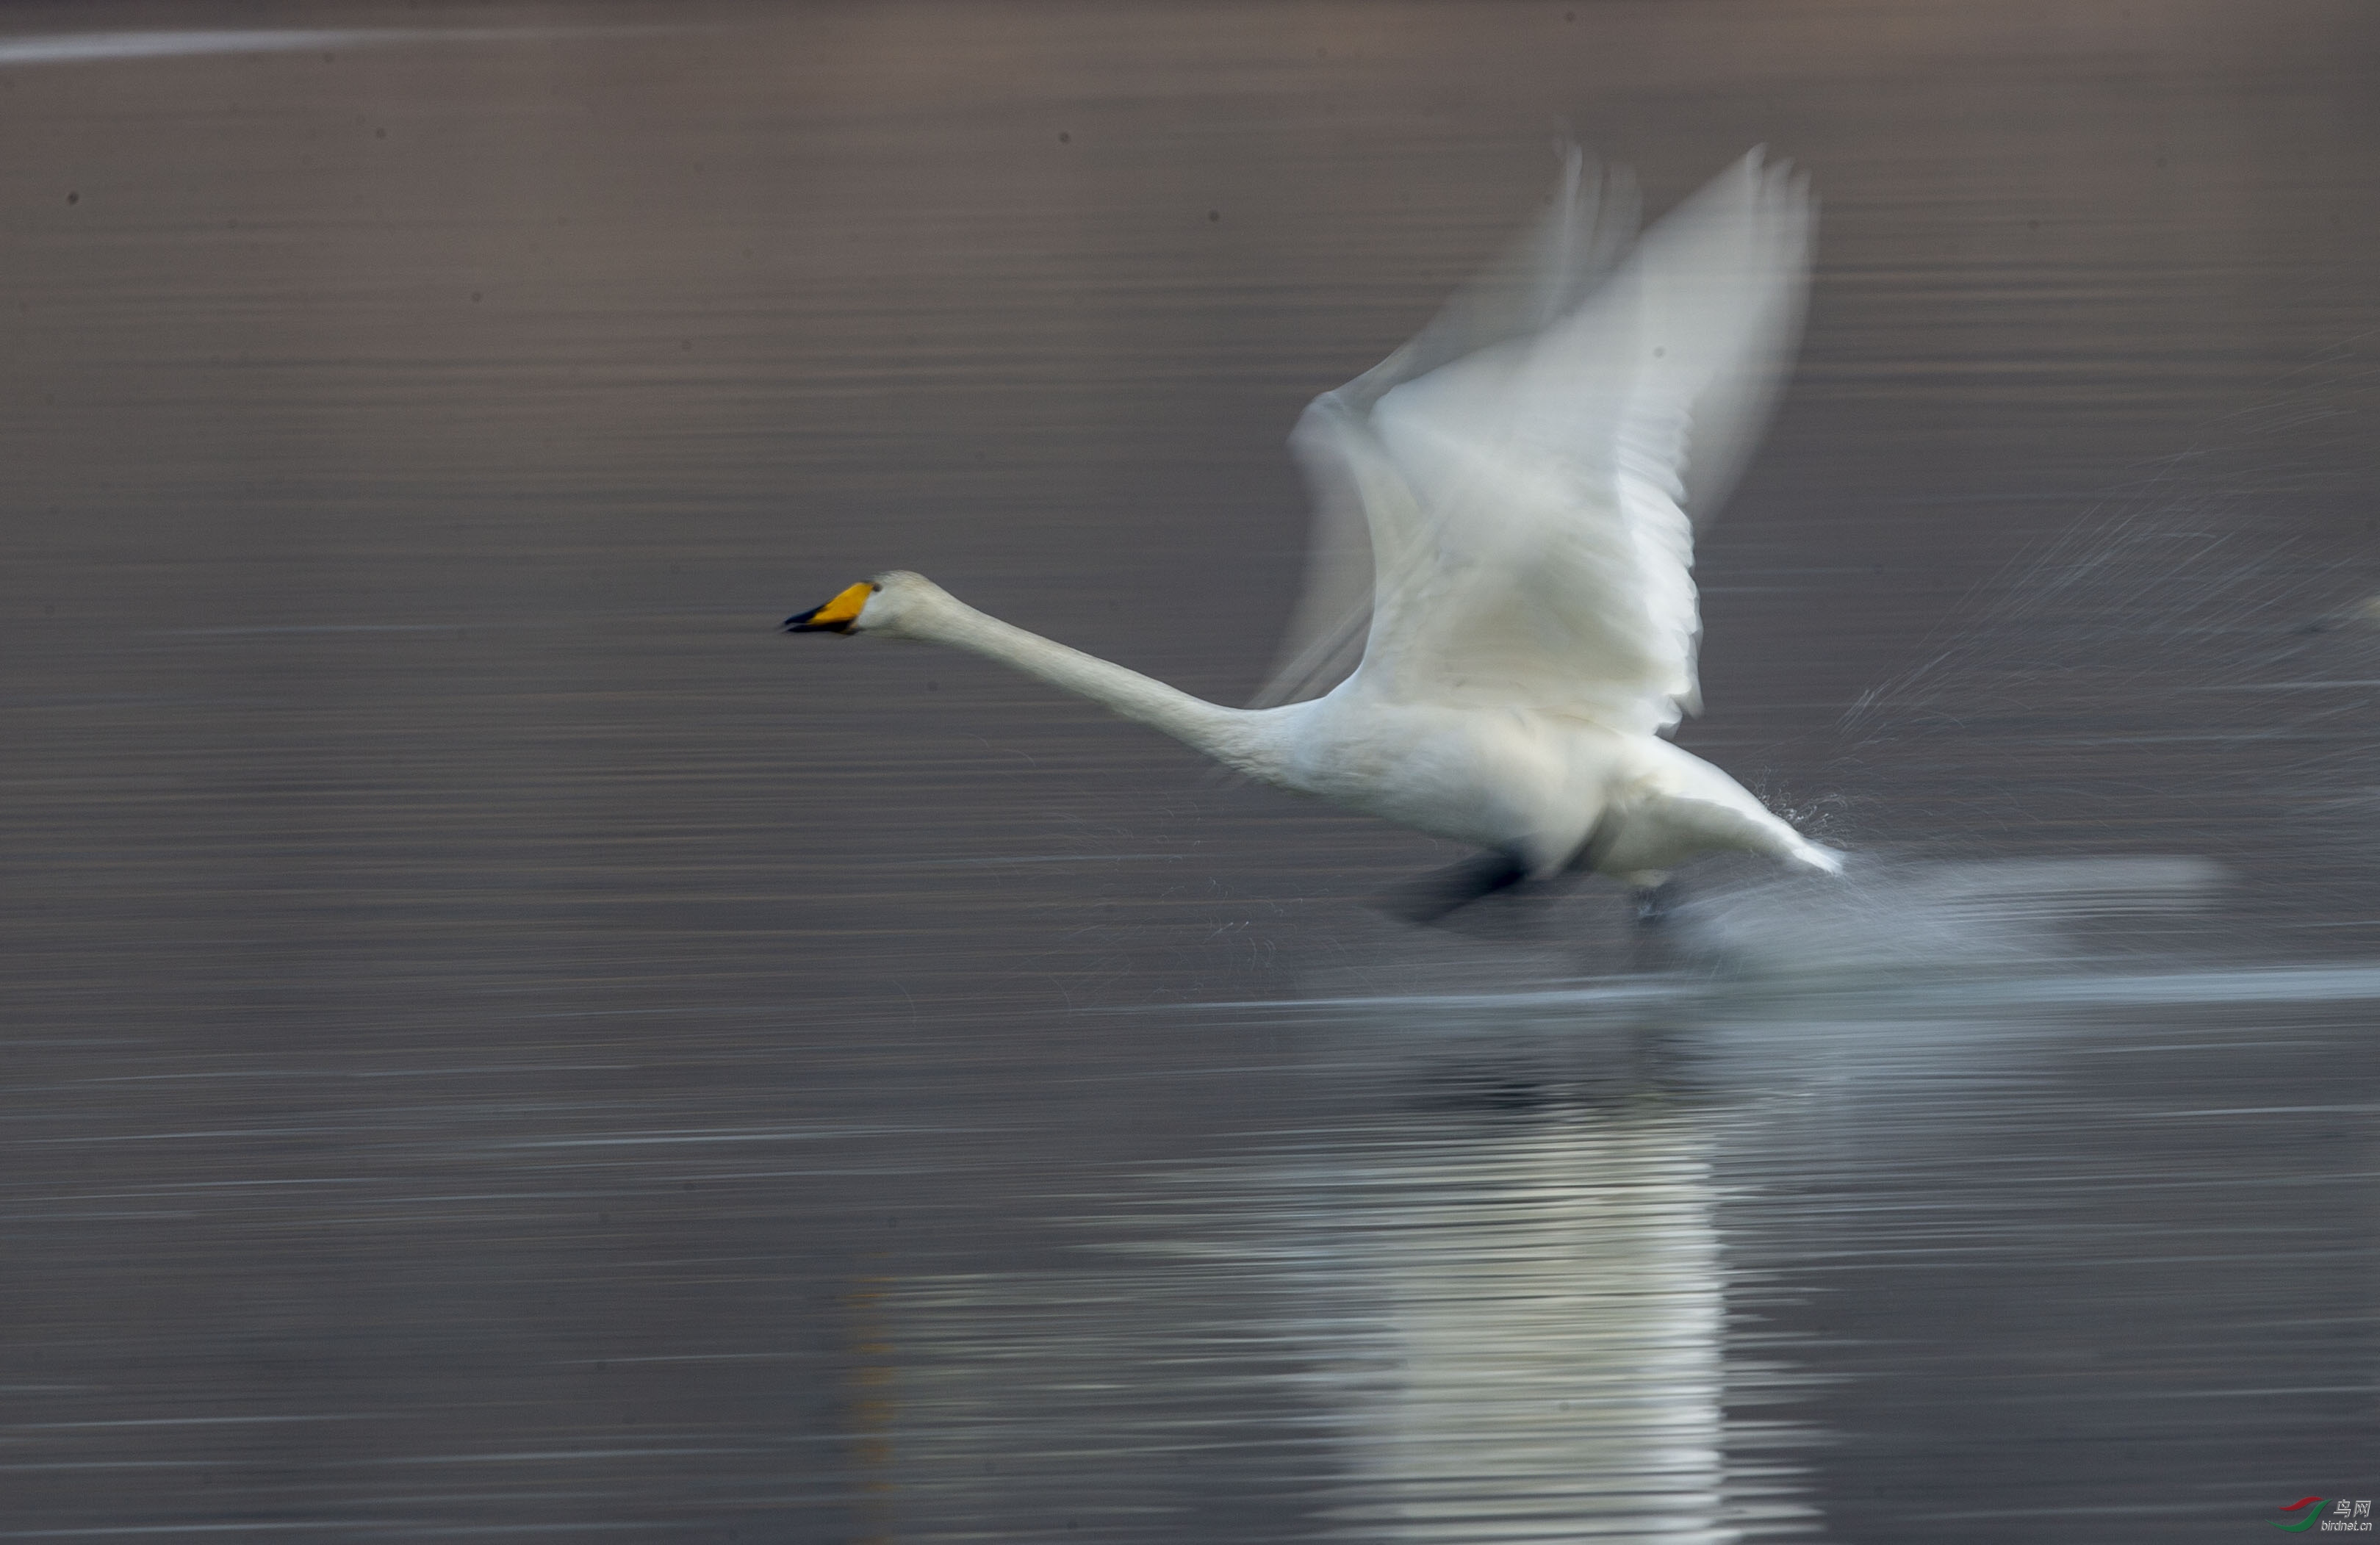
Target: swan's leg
{"points": [[1434, 895], [1656, 897]]}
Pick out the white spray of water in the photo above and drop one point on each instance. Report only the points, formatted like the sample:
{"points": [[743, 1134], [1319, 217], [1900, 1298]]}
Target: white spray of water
{"points": [[1891, 923]]}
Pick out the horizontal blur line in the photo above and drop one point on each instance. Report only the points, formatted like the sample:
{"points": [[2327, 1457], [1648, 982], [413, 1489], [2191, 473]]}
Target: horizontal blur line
{"points": [[115, 1465], [412, 1529], [1993, 1253], [126, 1529], [315, 627], [688, 1357], [1051, 858], [2292, 686], [2291, 1388], [85, 47], [77, 48], [459, 1071], [785, 1136], [175, 1137], [1628, 993], [191, 1421], [2260, 1110], [555, 1455], [2125, 1510]]}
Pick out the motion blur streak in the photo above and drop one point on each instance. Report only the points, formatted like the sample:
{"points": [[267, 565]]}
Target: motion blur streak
{"points": [[71, 48], [499, 1042]]}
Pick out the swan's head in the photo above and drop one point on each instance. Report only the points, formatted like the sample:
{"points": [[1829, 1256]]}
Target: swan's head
{"points": [[881, 605]]}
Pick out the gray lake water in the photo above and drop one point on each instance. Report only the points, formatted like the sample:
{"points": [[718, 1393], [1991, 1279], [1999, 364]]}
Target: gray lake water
{"points": [[500, 1042]]}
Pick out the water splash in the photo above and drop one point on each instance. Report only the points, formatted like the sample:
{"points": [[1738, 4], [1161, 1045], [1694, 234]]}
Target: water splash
{"points": [[1891, 925]]}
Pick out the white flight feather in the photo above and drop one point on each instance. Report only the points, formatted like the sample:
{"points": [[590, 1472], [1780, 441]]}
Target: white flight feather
{"points": [[1524, 505]]}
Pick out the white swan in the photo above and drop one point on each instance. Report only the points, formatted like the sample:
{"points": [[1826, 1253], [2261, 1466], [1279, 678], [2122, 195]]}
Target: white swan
{"points": [[1502, 533]]}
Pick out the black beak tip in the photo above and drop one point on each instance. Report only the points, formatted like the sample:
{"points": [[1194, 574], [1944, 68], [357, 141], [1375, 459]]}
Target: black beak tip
{"points": [[801, 621]]}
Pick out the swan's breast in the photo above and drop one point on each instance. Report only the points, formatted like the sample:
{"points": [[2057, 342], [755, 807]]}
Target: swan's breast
{"points": [[1499, 778]]}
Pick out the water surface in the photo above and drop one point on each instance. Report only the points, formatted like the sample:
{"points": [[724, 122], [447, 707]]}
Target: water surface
{"points": [[502, 1043]]}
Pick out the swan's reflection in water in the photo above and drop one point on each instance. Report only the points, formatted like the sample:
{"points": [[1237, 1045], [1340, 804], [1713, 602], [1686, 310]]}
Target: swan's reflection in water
{"points": [[1489, 1293], [1499, 1316], [1550, 1308]]}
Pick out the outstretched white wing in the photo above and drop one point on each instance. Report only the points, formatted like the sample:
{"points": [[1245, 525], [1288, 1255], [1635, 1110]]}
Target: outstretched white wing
{"points": [[1520, 475], [1544, 276]]}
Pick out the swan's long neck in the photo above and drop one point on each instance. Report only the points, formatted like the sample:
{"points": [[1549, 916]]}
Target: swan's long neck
{"points": [[1246, 739]]}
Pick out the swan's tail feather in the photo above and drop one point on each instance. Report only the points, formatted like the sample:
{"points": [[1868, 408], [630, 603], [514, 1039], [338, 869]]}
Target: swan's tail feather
{"points": [[1683, 825], [1818, 856]]}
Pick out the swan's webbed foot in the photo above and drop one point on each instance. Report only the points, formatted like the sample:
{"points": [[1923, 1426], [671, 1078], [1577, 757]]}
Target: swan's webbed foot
{"points": [[1435, 895], [1655, 903]]}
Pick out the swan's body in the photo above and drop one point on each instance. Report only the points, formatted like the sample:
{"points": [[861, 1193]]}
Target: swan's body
{"points": [[1502, 530]]}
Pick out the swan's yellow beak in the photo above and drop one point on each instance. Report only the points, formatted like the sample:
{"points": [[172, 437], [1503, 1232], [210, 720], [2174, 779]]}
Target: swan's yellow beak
{"points": [[836, 616]]}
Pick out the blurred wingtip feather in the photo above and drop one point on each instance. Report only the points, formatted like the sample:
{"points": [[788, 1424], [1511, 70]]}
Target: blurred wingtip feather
{"points": [[1502, 504]]}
